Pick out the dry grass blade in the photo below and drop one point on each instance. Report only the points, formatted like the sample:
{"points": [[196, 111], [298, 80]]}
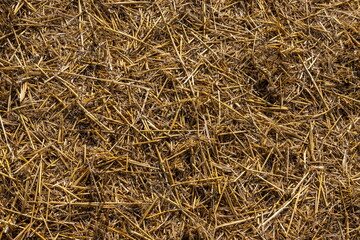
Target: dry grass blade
{"points": [[179, 119]]}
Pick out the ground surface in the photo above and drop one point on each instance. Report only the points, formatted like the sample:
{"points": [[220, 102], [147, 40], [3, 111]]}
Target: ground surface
{"points": [[179, 119]]}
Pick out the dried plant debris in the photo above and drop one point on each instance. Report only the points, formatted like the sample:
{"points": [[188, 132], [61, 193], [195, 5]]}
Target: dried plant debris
{"points": [[213, 119]]}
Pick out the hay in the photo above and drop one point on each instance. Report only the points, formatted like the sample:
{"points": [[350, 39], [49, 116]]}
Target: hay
{"points": [[179, 119]]}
